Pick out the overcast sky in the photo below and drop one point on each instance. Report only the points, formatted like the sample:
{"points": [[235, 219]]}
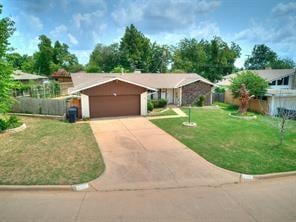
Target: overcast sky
{"points": [[83, 23]]}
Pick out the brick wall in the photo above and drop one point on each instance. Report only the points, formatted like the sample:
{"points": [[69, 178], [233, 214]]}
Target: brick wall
{"points": [[192, 91]]}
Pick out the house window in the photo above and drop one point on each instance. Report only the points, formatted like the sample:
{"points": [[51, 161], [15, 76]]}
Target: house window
{"points": [[272, 83], [286, 80], [280, 82]]}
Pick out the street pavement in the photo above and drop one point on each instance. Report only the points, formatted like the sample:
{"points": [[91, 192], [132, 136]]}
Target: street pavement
{"points": [[265, 200]]}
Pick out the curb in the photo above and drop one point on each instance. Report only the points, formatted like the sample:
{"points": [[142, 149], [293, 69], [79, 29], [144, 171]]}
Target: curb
{"points": [[267, 176], [164, 117], [78, 187]]}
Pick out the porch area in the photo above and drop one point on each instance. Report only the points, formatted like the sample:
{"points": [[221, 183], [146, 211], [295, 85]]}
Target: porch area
{"points": [[172, 95]]}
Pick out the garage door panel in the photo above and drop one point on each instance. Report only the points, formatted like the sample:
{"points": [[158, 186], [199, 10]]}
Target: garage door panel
{"points": [[108, 106]]}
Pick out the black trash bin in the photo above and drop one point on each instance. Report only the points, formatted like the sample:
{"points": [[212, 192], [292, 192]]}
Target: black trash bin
{"points": [[72, 114]]}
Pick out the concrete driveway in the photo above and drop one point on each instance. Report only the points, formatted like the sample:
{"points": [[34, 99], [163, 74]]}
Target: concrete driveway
{"points": [[139, 155]]}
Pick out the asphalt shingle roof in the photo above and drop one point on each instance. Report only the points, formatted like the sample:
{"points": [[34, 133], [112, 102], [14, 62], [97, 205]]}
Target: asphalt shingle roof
{"points": [[19, 75], [83, 80], [267, 74]]}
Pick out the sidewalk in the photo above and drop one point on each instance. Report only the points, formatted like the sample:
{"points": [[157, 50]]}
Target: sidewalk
{"points": [[177, 110]]}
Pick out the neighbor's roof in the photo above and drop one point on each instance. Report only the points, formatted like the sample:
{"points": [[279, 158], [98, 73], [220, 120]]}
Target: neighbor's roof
{"points": [[19, 75], [267, 74], [60, 73], [152, 81]]}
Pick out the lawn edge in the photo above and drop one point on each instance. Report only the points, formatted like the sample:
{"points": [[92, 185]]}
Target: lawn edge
{"points": [[36, 188], [267, 176], [242, 176], [75, 187]]}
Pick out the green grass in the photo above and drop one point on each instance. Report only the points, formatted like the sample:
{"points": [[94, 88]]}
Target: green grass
{"points": [[246, 146], [239, 114], [49, 152], [157, 112]]}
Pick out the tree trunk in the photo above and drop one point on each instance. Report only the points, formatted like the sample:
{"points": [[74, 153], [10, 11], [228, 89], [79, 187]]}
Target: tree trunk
{"points": [[282, 130], [243, 108]]}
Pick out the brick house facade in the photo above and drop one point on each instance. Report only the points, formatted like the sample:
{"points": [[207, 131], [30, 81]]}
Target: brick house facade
{"points": [[192, 91]]}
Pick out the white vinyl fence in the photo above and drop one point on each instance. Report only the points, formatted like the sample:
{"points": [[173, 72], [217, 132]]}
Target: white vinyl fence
{"points": [[40, 106]]}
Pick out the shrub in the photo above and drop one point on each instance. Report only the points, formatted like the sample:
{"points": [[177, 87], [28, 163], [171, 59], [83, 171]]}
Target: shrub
{"points": [[3, 125], [11, 122], [163, 103], [150, 105], [219, 90], [155, 103], [159, 103], [200, 101]]}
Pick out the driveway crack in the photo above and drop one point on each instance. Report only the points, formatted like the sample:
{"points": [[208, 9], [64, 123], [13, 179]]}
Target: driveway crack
{"points": [[80, 206]]}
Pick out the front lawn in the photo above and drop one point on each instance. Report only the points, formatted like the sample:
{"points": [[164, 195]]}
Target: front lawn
{"points": [[49, 152], [240, 145]]}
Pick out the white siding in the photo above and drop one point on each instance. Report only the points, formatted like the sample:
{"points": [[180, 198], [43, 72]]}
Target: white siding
{"points": [[144, 104], [85, 106], [180, 96], [287, 102], [170, 96]]}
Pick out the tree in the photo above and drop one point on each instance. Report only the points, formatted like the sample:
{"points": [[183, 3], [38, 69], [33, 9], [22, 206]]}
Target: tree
{"points": [[262, 57], [6, 80], [221, 58], [6, 86], [104, 58], [247, 85], [28, 64], [211, 59], [44, 56], [283, 64], [75, 68], [6, 30], [119, 69], [189, 55], [92, 68], [135, 50], [62, 57], [285, 115], [50, 59], [15, 59], [160, 58]]}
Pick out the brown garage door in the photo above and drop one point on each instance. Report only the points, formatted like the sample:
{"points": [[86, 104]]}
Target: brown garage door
{"points": [[107, 106]]}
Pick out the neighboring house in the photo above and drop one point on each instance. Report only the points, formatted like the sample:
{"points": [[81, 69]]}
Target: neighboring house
{"points": [[23, 77], [64, 79], [104, 95], [61, 76], [282, 88]]}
